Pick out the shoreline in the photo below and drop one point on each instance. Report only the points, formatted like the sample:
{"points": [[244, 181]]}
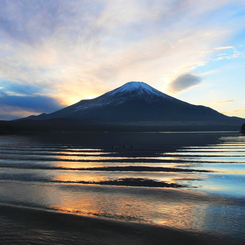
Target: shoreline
{"points": [[35, 226]]}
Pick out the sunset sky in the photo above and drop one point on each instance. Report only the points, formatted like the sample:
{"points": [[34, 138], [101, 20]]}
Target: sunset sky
{"points": [[54, 53]]}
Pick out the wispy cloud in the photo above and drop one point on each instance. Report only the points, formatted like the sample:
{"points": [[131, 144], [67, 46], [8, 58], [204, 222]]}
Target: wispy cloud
{"points": [[238, 110], [238, 113], [70, 50], [225, 47], [224, 101]]}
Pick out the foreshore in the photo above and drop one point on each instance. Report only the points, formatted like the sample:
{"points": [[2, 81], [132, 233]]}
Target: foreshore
{"points": [[20, 225]]}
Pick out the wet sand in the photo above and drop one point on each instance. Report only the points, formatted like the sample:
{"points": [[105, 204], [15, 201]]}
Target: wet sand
{"points": [[32, 226]]}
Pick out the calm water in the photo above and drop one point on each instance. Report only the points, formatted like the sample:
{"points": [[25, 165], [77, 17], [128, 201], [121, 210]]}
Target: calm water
{"points": [[192, 181]]}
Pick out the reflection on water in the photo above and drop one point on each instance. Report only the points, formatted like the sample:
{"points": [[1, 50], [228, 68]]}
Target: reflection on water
{"points": [[190, 181], [74, 177]]}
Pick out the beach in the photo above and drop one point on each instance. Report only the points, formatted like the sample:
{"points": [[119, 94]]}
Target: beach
{"points": [[30, 226]]}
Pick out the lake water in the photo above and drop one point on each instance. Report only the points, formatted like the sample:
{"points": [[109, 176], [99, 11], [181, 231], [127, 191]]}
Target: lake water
{"points": [[191, 181]]}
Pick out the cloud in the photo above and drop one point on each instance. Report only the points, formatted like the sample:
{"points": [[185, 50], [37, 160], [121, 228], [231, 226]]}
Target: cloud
{"points": [[35, 103], [15, 88], [238, 110], [77, 49], [183, 82], [16, 98], [12, 113], [238, 113], [225, 47], [17, 106], [224, 101]]}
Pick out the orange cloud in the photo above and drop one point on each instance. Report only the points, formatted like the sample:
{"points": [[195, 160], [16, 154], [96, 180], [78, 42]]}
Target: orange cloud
{"points": [[224, 101]]}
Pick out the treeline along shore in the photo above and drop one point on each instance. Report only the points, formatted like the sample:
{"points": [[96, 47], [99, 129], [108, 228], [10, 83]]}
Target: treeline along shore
{"points": [[65, 125]]}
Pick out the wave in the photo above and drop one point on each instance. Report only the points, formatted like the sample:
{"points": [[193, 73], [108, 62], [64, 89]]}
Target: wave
{"points": [[141, 182], [109, 169]]}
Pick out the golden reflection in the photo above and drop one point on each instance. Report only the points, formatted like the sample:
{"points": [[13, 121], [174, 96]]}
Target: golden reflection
{"points": [[186, 216], [96, 157], [87, 153], [71, 157], [78, 177], [169, 208], [84, 150], [179, 177], [172, 177], [74, 165], [82, 155], [168, 157]]}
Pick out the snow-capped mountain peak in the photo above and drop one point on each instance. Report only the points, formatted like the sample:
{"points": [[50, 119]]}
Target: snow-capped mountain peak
{"points": [[139, 87], [127, 92], [131, 86], [137, 102], [136, 89], [130, 91]]}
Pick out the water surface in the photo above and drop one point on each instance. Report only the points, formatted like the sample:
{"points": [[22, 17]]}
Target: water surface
{"points": [[193, 181]]}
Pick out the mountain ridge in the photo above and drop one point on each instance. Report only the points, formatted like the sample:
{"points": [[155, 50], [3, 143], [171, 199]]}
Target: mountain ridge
{"points": [[133, 97], [138, 104]]}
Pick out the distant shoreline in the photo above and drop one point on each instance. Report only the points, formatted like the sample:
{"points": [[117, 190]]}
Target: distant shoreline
{"points": [[77, 126]]}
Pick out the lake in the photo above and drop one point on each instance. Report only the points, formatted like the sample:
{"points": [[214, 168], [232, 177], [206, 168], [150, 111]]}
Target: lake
{"points": [[186, 181]]}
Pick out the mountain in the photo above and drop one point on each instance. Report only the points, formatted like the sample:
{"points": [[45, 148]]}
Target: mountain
{"points": [[138, 104]]}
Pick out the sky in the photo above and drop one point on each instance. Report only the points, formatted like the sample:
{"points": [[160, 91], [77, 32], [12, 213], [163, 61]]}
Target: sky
{"points": [[54, 53]]}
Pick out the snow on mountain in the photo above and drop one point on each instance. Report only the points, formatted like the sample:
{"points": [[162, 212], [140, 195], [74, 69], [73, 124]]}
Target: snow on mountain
{"points": [[138, 88], [128, 91]]}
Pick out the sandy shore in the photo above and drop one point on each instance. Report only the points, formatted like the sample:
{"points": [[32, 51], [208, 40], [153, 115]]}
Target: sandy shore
{"points": [[29, 226]]}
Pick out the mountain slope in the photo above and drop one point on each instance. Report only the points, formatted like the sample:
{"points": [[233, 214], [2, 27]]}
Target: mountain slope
{"points": [[136, 102]]}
